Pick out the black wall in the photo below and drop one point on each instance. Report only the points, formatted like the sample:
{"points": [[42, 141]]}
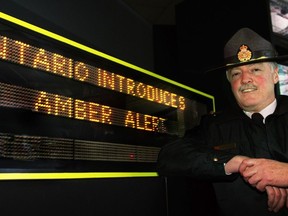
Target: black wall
{"points": [[108, 26], [89, 197]]}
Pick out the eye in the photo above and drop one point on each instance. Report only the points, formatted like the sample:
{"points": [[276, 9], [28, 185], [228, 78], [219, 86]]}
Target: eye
{"points": [[235, 74], [256, 69]]}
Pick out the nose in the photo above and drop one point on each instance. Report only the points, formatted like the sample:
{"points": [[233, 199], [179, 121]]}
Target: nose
{"points": [[246, 77]]}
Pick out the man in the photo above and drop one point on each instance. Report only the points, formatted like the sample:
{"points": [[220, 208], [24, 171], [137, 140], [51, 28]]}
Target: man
{"points": [[246, 160]]}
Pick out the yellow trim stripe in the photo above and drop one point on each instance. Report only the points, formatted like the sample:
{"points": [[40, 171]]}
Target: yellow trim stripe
{"points": [[95, 52], [74, 175], [87, 175]]}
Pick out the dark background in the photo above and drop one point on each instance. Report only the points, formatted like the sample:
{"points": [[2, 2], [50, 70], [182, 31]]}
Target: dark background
{"points": [[181, 46]]}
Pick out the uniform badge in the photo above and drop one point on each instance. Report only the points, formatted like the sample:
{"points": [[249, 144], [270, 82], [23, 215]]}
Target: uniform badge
{"points": [[244, 53]]}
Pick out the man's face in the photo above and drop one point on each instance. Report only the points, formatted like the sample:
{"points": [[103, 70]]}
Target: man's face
{"points": [[253, 85]]}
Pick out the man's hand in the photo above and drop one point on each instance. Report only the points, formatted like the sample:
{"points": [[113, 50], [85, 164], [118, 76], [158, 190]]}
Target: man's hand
{"points": [[232, 166], [261, 173], [277, 198]]}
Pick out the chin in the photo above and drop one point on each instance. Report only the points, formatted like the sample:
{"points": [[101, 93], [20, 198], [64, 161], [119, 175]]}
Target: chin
{"points": [[249, 104]]}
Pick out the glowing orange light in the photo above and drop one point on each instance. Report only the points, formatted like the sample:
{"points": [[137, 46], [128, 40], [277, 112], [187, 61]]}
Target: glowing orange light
{"points": [[39, 58]]}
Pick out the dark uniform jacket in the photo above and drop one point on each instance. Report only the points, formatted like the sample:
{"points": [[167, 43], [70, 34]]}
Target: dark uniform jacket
{"points": [[202, 152]]}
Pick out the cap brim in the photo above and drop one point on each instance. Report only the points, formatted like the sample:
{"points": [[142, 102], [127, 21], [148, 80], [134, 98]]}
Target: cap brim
{"points": [[278, 59]]}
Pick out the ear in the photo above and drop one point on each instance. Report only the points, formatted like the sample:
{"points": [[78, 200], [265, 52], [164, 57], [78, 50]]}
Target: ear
{"points": [[276, 75]]}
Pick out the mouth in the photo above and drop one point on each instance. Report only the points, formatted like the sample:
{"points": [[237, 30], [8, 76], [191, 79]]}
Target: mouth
{"points": [[247, 88]]}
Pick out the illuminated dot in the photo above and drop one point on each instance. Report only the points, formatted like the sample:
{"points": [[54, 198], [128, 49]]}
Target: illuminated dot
{"points": [[132, 156]]}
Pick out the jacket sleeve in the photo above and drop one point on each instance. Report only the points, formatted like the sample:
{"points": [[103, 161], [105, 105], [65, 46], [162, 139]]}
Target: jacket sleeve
{"points": [[190, 156]]}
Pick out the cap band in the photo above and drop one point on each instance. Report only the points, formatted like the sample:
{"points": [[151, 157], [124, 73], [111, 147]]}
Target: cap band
{"points": [[254, 56]]}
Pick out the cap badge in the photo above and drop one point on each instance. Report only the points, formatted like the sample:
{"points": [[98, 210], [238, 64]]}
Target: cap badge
{"points": [[244, 53]]}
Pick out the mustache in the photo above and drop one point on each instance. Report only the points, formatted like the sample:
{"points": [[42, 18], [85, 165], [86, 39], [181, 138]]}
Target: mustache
{"points": [[247, 86]]}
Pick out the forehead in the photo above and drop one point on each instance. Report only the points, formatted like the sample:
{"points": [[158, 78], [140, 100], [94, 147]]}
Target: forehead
{"points": [[253, 65]]}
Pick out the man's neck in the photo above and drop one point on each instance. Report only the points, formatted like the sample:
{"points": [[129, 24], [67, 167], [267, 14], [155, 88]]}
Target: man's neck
{"points": [[266, 111]]}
